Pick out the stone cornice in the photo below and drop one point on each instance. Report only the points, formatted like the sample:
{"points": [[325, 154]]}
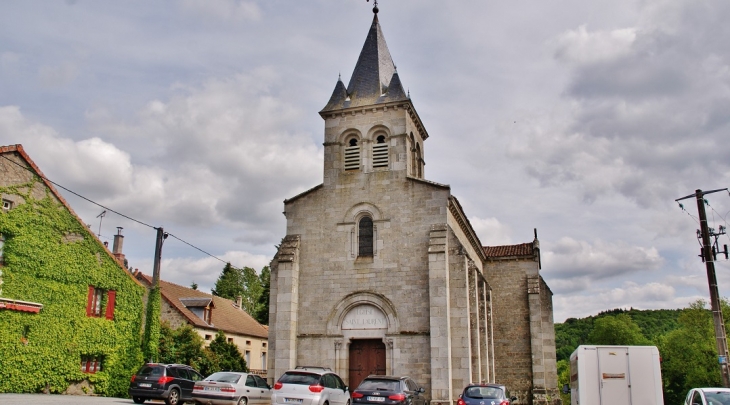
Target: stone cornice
{"points": [[406, 105], [465, 225]]}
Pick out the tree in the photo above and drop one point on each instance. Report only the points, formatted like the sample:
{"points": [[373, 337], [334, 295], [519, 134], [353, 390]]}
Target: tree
{"points": [[194, 285], [229, 284], [251, 290], [262, 306], [184, 346], [616, 330], [227, 354], [689, 354]]}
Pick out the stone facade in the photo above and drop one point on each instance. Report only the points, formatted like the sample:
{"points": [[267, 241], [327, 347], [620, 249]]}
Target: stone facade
{"points": [[378, 253]]}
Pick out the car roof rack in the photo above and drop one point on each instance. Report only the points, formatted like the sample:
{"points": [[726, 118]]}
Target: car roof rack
{"points": [[313, 368]]}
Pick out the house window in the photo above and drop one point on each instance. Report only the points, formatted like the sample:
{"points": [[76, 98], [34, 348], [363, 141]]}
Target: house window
{"points": [[263, 344], [7, 205], [352, 155], [263, 360], [90, 364], [248, 343], [365, 237], [95, 302], [230, 340], [380, 152], [208, 337], [419, 162], [247, 357]]}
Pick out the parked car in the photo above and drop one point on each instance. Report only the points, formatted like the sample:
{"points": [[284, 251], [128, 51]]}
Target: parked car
{"points": [[170, 382], [310, 386], [232, 388], [475, 394], [708, 396], [388, 390]]}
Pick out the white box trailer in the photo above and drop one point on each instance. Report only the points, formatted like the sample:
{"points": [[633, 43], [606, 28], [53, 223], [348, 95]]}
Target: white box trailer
{"points": [[615, 375]]}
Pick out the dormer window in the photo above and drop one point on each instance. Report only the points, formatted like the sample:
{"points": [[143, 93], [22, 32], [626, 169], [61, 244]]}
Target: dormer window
{"points": [[380, 152], [352, 155], [201, 307]]}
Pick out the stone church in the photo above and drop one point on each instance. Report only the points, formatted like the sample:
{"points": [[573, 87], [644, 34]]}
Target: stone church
{"points": [[380, 271]]}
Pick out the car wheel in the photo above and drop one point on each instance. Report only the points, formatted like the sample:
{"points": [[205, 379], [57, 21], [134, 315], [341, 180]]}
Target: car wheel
{"points": [[174, 397], [138, 400], [242, 401]]}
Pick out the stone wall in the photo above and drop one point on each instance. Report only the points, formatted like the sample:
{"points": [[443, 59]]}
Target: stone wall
{"points": [[512, 343]]}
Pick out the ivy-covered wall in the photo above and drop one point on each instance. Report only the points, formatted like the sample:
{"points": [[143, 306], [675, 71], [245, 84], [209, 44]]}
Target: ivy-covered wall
{"points": [[52, 259]]}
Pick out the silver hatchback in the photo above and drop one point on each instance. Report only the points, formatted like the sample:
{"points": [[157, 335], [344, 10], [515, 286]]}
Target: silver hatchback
{"points": [[310, 386]]}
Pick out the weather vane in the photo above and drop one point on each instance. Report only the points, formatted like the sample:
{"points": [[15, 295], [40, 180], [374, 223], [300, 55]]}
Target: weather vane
{"points": [[375, 6]]}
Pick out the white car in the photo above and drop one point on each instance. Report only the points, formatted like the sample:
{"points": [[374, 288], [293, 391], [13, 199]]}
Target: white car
{"points": [[232, 388], [310, 386], [708, 396]]}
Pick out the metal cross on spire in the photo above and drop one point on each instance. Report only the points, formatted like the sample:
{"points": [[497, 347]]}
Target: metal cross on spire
{"points": [[375, 6]]}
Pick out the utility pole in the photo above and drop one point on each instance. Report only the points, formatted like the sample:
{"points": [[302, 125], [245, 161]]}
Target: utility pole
{"points": [[161, 236], [708, 256]]}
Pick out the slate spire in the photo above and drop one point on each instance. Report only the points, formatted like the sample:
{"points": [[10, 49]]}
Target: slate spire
{"points": [[374, 80]]}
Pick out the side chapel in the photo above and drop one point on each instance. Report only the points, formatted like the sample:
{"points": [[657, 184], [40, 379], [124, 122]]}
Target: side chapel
{"points": [[380, 271]]}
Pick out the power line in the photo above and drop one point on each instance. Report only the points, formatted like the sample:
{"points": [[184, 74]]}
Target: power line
{"points": [[108, 209]]}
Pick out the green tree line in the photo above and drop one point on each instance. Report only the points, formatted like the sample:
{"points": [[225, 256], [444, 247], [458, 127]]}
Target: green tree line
{"points": [[685, 338], [252, 287]]}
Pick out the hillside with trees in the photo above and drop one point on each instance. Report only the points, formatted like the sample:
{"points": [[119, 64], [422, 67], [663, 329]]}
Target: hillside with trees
{"points": [[685, 338]]}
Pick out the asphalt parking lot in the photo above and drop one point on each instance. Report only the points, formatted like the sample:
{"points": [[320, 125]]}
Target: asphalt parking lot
{"points": [[41, 399]]}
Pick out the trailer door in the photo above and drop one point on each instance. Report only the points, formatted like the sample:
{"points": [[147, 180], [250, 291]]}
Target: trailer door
{"points": [[613, 367]]}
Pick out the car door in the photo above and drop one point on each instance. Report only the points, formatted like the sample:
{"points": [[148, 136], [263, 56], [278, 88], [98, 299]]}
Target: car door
{"points": [[697, 398], [418, 398], [252, 390], [336, 386], [184, 381], [264, 388]]}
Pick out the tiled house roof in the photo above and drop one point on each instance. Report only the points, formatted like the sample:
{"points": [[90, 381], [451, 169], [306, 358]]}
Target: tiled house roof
{"points": [[225, 315], [523, 249]]}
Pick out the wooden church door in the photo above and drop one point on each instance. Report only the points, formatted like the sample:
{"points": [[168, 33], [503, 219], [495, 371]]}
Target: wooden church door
{"points": [[367, 356]]}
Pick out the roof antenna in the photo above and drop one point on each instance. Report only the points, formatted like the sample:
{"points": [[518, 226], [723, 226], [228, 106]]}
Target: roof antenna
{"points": [[375, 6], [101, 218]]}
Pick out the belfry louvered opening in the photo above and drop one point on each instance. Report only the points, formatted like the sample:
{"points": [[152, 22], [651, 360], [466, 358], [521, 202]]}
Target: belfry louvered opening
{"points": [[352, 155], [380, 152]]}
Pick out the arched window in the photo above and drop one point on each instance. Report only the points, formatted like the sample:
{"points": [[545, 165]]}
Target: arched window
{"points": [[413, 156], [365, 237], [419, 162], [380, 152], [352, 155]]}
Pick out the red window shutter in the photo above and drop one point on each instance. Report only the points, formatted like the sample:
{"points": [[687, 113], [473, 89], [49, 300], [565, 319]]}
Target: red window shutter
{"points": [[90, 301], [110, 301]]}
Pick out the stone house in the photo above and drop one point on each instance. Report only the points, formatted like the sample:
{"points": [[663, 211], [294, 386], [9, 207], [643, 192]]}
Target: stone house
{"points": [[208, 314], [70, 314], [380, 271]]}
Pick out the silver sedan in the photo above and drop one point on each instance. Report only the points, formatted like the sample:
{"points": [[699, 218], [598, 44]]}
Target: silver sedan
{"points": [[232, 388]]}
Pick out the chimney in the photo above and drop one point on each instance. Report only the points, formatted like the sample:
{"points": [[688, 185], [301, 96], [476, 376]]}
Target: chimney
{"points": [[118, 243], [239, 302]]}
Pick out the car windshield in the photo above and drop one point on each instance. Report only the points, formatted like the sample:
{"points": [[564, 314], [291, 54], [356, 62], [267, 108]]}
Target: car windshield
{"points": [[483, 392], [378, 385], [717, 398], [224, 377], [152, 371], [299, 378]]}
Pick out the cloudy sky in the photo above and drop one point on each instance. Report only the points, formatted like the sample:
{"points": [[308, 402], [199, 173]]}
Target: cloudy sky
{"points": [[585, 120]]}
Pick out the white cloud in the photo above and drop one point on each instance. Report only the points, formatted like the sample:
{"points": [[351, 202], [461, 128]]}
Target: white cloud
{"points": [[570, 258], [491, 232], [582, 47]]}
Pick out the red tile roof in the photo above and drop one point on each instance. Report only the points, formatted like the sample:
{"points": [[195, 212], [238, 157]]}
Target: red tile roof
{"points": [[224, 316], [523, 249]]}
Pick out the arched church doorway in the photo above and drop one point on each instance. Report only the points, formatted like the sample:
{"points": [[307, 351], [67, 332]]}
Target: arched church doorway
{"points": [[367, 356]]}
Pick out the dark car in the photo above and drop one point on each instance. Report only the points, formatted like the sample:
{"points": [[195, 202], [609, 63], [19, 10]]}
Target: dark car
{"points": [[476, 394], [388, 390], [171, 382]]}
